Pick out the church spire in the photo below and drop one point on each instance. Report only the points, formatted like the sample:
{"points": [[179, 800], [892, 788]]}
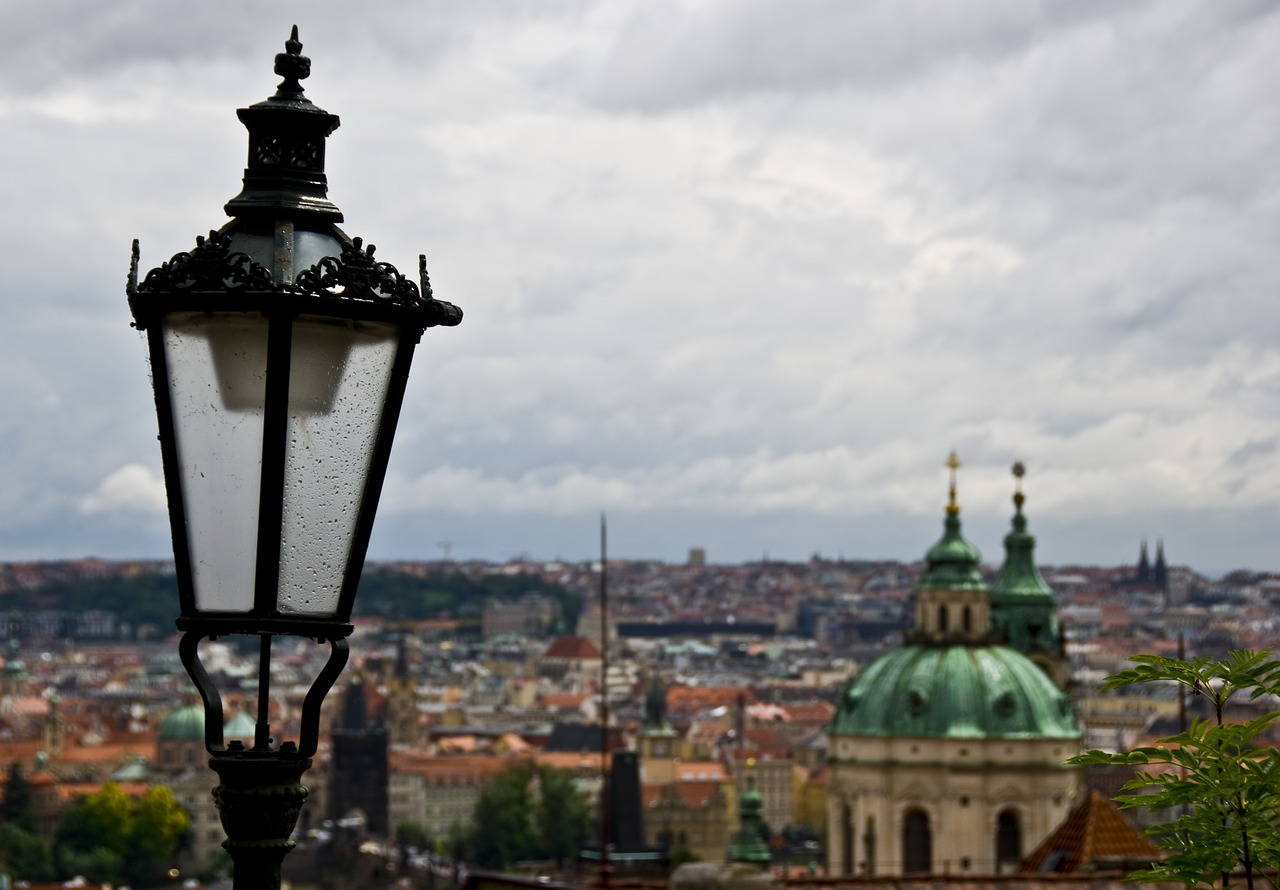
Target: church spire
{"points": [[1020, 582], [1160, 573], [1023, 607]]}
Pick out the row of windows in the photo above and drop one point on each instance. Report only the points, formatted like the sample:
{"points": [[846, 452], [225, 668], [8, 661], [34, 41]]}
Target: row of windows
{"points": [[917, 843]]}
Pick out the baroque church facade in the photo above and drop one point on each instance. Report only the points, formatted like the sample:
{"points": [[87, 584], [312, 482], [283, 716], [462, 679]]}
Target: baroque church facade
{"points": [[947, 755]]}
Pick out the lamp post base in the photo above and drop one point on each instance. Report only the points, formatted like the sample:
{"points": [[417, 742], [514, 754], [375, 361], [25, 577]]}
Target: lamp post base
{"points": [[259, 799]]}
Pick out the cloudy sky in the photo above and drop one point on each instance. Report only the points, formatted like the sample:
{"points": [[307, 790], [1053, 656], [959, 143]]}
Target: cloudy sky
{"points": [[739, 273]]}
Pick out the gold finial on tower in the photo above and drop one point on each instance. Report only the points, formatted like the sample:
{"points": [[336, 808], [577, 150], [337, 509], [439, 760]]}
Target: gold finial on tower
{"points": [[1019, 470], [953, 464]]}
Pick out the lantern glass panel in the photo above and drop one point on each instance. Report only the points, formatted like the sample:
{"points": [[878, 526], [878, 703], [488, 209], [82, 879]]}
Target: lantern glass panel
{"points": [[332, 431], [217, 366]]}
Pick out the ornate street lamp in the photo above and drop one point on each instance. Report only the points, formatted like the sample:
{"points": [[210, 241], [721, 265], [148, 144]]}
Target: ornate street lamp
{"points": [[280, 350]]}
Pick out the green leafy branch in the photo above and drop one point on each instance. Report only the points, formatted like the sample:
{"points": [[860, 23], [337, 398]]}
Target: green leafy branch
{"points": [[1224, 790]]}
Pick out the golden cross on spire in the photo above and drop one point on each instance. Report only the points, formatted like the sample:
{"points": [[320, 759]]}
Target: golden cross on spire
{"points": [[953, 464]]}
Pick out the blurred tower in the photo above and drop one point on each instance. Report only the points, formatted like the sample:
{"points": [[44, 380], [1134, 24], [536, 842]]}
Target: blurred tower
{"points": [[358, 770]]}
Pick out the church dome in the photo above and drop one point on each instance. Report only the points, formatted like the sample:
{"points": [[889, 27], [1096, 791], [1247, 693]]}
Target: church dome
{"points": [[186, 724], [955, 692], [241, 726], [952, 563]]}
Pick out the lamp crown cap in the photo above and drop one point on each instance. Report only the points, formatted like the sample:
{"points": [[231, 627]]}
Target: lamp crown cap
{"points": [[293, 66]]}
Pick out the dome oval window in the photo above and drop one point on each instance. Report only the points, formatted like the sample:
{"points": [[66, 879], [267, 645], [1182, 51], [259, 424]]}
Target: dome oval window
{"points": [[1005, 704]]}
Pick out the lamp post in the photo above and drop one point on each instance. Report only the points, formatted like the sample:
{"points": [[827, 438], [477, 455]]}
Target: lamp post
{"points": [[280, 349]]}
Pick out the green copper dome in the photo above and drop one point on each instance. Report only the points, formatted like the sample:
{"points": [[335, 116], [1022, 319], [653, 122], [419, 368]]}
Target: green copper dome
{"points": [[241, 726], [186, 724], [952, 563], [954, 692], [750, 846]]}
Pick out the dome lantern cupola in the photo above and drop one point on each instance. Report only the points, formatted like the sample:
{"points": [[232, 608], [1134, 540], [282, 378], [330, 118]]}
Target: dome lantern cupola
{"points": [[952, 603]]}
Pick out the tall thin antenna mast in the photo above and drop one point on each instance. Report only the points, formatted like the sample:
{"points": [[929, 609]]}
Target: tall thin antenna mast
{"points": [[606, 790]]}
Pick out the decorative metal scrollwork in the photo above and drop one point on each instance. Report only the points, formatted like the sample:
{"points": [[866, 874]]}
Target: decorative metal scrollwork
{"points": [[356, 275], [276, 152], [210, 266]]}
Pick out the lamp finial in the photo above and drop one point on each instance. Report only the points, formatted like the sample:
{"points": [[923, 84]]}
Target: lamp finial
{"points": [[293, 66]]}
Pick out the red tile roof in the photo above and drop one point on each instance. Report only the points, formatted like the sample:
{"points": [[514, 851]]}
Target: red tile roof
{"points": [[1094, 835], [572, 647]]}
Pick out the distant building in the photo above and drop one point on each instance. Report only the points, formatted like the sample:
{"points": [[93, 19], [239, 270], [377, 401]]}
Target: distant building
{"points": [[686, 802], [358, 765], [402, 700], [948, 754], [438, 792], [570, 655], [532, 615]]}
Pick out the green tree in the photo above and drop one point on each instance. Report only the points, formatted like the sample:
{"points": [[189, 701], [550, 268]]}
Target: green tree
{"points": [[109, 814], [24, 854], [527, 812], [1222, 791], [564, 815], [90, 840], [15, 803], [100, 865], [158, 826], [502, 830], [108, 837], [411, 834]]}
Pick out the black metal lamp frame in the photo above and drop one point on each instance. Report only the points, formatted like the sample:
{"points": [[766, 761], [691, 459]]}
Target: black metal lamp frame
{"points": [[260, 793]]}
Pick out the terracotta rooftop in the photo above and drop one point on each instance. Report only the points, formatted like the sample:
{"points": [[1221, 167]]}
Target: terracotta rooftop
{"points": [[694, 795], [692, 698], [1093, 836], [572, 647]]}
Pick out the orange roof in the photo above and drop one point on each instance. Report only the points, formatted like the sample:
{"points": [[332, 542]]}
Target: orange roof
{"points": [[818, 713], [572, 647], [513, 743], [692, 698], [574, 761], [694, 795], [447, 770], [565, 700], [695, 771], [1094, 833], [462, 744], [26, 705]]}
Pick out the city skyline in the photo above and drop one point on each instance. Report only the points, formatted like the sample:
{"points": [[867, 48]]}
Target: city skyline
{"points": [[739, 275]]}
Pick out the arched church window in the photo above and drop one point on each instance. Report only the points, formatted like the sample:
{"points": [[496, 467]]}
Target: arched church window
{"points": [[966, 619], [942, 619], [1008, 840], [917, 843]]}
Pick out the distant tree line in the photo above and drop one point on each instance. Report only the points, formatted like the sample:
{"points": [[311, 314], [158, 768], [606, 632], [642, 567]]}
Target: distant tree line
{"points": [[402, 597], [151, 600]]}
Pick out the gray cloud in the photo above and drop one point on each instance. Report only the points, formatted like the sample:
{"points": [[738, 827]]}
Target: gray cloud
{"points": [[740, 273]]}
